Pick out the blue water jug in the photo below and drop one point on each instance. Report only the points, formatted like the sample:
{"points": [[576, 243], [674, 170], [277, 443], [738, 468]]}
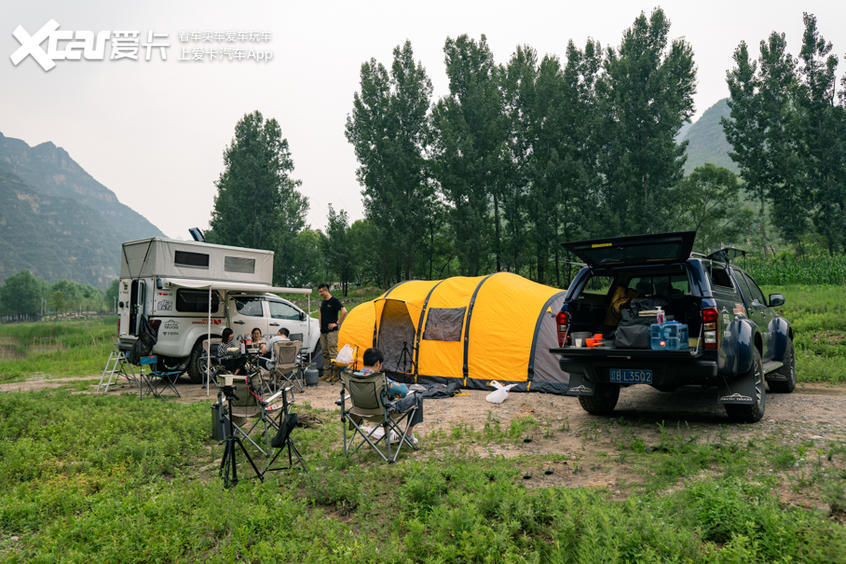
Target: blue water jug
{"points": [[669, 336]]}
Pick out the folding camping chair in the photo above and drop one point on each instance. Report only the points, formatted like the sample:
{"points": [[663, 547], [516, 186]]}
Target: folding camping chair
{"points": [[157, 381], [285, 423], [288, 368], [213, 362], [367, 404], [250, 402]]}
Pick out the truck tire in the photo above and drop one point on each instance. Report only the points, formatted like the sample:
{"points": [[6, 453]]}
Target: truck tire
{"points": [[788, 370], [603, 400], [196, 372], [754, 412], [166, 364]]}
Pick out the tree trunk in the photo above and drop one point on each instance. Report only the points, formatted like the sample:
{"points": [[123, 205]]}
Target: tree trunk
{"points": [[496, 232], [763, 226]]}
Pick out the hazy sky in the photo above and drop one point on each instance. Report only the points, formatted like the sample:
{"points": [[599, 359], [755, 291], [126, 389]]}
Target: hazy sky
{"points": [[154, 132]]}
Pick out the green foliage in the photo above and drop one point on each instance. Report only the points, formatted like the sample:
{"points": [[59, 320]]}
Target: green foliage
{"points": [[817, 315], [469, 142], [336, 248], [388, 129], [788, 136], [789, 270], [64, 348], [708, 201], [648, 91], [21, 293], [115, 478], [257, 203]]}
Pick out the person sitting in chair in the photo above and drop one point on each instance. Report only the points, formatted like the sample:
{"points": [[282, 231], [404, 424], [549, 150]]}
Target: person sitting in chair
{"points": [[230, 354], [258, 342], [281, 335], [405, 400]]}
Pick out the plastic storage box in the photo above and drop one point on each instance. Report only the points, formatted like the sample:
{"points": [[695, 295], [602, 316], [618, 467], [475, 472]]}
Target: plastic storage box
{"points": [[669, 336]]}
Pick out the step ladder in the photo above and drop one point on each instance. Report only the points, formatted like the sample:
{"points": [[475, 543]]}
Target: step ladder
{"points": [[116, 366]]}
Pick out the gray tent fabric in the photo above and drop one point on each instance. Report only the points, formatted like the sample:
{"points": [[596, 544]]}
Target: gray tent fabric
{"points": [[396, 337], [545, 374]]}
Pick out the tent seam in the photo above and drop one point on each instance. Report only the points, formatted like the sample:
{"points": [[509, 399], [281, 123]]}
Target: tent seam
{"points": [[465, 370]]}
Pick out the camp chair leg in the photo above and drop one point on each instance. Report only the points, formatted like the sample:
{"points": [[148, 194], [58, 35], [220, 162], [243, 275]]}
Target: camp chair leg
{"points": [[238, 430]]}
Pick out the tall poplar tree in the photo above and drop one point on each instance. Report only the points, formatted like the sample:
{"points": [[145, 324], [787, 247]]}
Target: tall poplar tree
{"points": [[388, 130], [469, 149], [258, 204], [648, 89]]}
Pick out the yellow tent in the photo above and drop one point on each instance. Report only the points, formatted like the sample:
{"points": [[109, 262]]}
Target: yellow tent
{"points": [[466, 330]]}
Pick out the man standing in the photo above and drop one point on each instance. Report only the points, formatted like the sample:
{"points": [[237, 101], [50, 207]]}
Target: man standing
{"points": [[332, 313]]}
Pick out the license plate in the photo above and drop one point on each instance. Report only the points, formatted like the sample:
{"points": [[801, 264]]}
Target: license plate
{"points": [[629, 376]]}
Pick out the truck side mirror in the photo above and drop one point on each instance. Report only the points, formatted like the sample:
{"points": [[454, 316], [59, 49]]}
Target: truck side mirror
{"points": [[302, 316], [776, 300]]}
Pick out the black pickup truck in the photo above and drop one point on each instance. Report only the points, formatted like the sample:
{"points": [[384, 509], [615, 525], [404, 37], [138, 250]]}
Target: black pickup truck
{"points": [[735, 340]]}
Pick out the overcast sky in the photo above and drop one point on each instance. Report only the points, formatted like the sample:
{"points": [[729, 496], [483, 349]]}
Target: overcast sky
{"points": [[154, 132]]}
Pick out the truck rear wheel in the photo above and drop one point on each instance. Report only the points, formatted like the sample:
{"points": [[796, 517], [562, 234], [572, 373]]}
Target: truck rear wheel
{"points": [[788, 371], [196, 364], [603, 400], [754, 412]]}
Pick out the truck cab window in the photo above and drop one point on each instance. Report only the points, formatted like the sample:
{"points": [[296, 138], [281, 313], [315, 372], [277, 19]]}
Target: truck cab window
{"points": [[249, 306], [281, 310]]}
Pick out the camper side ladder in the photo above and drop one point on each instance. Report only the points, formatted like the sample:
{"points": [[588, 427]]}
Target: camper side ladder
{"points": [[115, 366]]}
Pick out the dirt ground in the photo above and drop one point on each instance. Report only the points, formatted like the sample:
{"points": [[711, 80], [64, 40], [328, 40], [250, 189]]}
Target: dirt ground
{"points": [[813, 411], [587, 448]]}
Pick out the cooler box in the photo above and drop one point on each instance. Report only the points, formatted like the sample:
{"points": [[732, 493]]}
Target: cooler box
{"points": [[669, 336]]}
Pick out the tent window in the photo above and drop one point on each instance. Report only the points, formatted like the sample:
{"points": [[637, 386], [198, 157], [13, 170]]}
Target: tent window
{"points": [[197, 260], [196, 301], [239, 264], [444, 324]]}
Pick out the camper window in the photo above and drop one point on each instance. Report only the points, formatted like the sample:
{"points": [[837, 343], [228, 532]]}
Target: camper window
{"points": [[239, 264], [196, 260], [444, 324], [279, 310], [196, 301], [249, 306]]}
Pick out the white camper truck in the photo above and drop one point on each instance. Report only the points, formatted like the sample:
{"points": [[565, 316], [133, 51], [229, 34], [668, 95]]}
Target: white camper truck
{"points": [[189, 291]]}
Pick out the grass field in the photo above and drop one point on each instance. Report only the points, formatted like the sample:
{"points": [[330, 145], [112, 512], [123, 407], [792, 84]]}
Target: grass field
{"points": [[113, 478]]}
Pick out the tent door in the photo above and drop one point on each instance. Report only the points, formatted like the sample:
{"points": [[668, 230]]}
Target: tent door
{"points": [[396, 337]]}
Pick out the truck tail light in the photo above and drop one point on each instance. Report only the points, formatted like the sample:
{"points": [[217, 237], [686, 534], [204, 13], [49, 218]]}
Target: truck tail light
{"points": [[710, 328], [154, 325], [562, 322]]}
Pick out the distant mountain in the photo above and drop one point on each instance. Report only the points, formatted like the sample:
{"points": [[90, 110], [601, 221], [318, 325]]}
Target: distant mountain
{"points": [[706, 141], [57, 220]]}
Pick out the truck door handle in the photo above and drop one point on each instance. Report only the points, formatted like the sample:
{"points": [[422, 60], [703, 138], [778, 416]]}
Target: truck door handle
{"points": [[238, 322], [273, 324]]}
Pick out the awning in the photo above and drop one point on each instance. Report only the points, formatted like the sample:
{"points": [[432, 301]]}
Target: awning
{"points": [[226, 285]]}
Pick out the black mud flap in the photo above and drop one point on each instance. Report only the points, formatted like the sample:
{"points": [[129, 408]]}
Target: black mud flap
{"points": [[738, 392], [579, 386]]}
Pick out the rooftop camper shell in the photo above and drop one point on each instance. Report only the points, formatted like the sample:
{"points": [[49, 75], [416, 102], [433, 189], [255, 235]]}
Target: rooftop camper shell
{"points": [[190, 291]]}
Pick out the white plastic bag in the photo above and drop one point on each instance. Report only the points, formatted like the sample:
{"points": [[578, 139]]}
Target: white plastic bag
{"points": [[345, 355], [501, 392]]}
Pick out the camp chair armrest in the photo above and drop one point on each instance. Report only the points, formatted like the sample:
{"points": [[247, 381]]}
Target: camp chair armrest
{"points": [[274, 397]]}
